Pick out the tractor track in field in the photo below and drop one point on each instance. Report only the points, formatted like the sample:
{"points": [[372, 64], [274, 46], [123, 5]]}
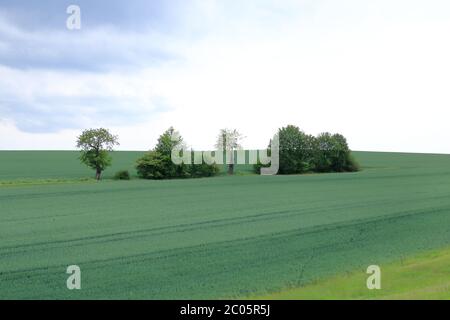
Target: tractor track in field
{"points": [[179, 228], [272, 238]]}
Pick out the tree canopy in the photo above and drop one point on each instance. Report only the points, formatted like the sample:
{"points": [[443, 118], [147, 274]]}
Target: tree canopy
{"points": [[301, 152], [158, 164], [95, 145]]}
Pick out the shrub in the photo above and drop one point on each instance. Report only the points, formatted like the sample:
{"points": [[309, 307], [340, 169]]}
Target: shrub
{"points": [[300, 152], [151, 166], [332, 154], [203, 170], [296, 150], [157, 164], [351, 164], [122, 175]]}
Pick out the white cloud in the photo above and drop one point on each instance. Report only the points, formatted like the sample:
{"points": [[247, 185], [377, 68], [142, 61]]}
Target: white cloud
{"points": [[376, 72]]}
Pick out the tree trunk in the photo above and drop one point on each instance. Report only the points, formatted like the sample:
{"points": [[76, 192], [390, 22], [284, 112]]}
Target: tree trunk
{"points": [[230, 157], [98, 174]]}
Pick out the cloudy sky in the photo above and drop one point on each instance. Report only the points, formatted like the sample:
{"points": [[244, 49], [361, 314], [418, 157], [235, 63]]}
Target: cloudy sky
{"points": [[376, 71]]}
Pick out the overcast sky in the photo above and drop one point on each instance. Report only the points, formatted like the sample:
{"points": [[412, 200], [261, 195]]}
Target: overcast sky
{"points": [[376, 71]]}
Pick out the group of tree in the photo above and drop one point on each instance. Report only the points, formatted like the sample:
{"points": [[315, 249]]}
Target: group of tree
{"points": [[158, 164], [301, 153], [298, 153]]}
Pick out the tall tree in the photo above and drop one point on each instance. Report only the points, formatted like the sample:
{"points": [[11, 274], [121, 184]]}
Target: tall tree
{"points": [[295, 150], [228, 141], [157, 164], [95, 145]]}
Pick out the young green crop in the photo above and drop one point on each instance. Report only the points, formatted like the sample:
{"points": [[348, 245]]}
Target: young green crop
{"points": [[186, 239]]}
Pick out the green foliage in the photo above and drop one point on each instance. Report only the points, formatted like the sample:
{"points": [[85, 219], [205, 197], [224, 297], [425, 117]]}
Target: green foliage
{"points": [[122, 175], [95, 145], [203, 170], [98, 160], [332, 154], [296, 150], [257, 167], [300, 153], [168, 141], [157, 164]]}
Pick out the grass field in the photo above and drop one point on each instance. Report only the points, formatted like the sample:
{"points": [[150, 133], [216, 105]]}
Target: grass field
{"points": [[22, 167], [212, 238], [425, 276], [61, 165]]}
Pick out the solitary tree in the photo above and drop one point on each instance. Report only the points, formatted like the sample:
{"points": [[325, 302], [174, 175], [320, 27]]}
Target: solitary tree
{"points": [[228, 141], [95, 145]]}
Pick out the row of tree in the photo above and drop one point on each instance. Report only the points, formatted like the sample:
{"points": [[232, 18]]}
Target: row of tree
{"points": [[298, 153]]}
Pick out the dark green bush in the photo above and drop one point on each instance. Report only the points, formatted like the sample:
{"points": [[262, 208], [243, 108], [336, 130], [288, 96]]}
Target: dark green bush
{"points": [[300, 153], [332, 154], [157, 164], [203, 170], [122, 175], [296, 150], [153, 165]]}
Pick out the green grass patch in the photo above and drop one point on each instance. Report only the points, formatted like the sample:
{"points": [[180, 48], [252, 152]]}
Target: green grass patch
{"points": [[425, 276]]}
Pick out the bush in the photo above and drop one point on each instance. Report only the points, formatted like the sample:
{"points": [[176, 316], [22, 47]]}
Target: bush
{"points": [[157, 164], [203, 170], [300, 153], [351, 164], [152, 166], [296, 150], [122, 175], [332, 154]]}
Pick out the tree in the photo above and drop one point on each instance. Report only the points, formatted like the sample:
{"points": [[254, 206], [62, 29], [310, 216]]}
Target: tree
{"points": [[158, 164], [95, 145], [229, 141], [296, 150], [151, 166], [332, 154]]}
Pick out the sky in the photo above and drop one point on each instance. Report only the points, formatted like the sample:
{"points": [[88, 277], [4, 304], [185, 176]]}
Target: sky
{"points": [[377, 72]]}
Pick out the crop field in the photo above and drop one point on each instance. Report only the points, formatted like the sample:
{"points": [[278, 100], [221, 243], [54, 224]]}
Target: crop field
{"points": [[222, 237], [32, 165], [421, 277], [47, 166]]}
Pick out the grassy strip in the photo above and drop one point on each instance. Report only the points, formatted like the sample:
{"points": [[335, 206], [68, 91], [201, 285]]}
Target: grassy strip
{"points": [[425, 276], [31, 182]]}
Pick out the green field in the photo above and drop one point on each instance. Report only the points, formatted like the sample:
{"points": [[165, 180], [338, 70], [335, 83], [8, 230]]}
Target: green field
{"points": [[223, 237], [64, 165], [22, 167], [425, 276]]}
